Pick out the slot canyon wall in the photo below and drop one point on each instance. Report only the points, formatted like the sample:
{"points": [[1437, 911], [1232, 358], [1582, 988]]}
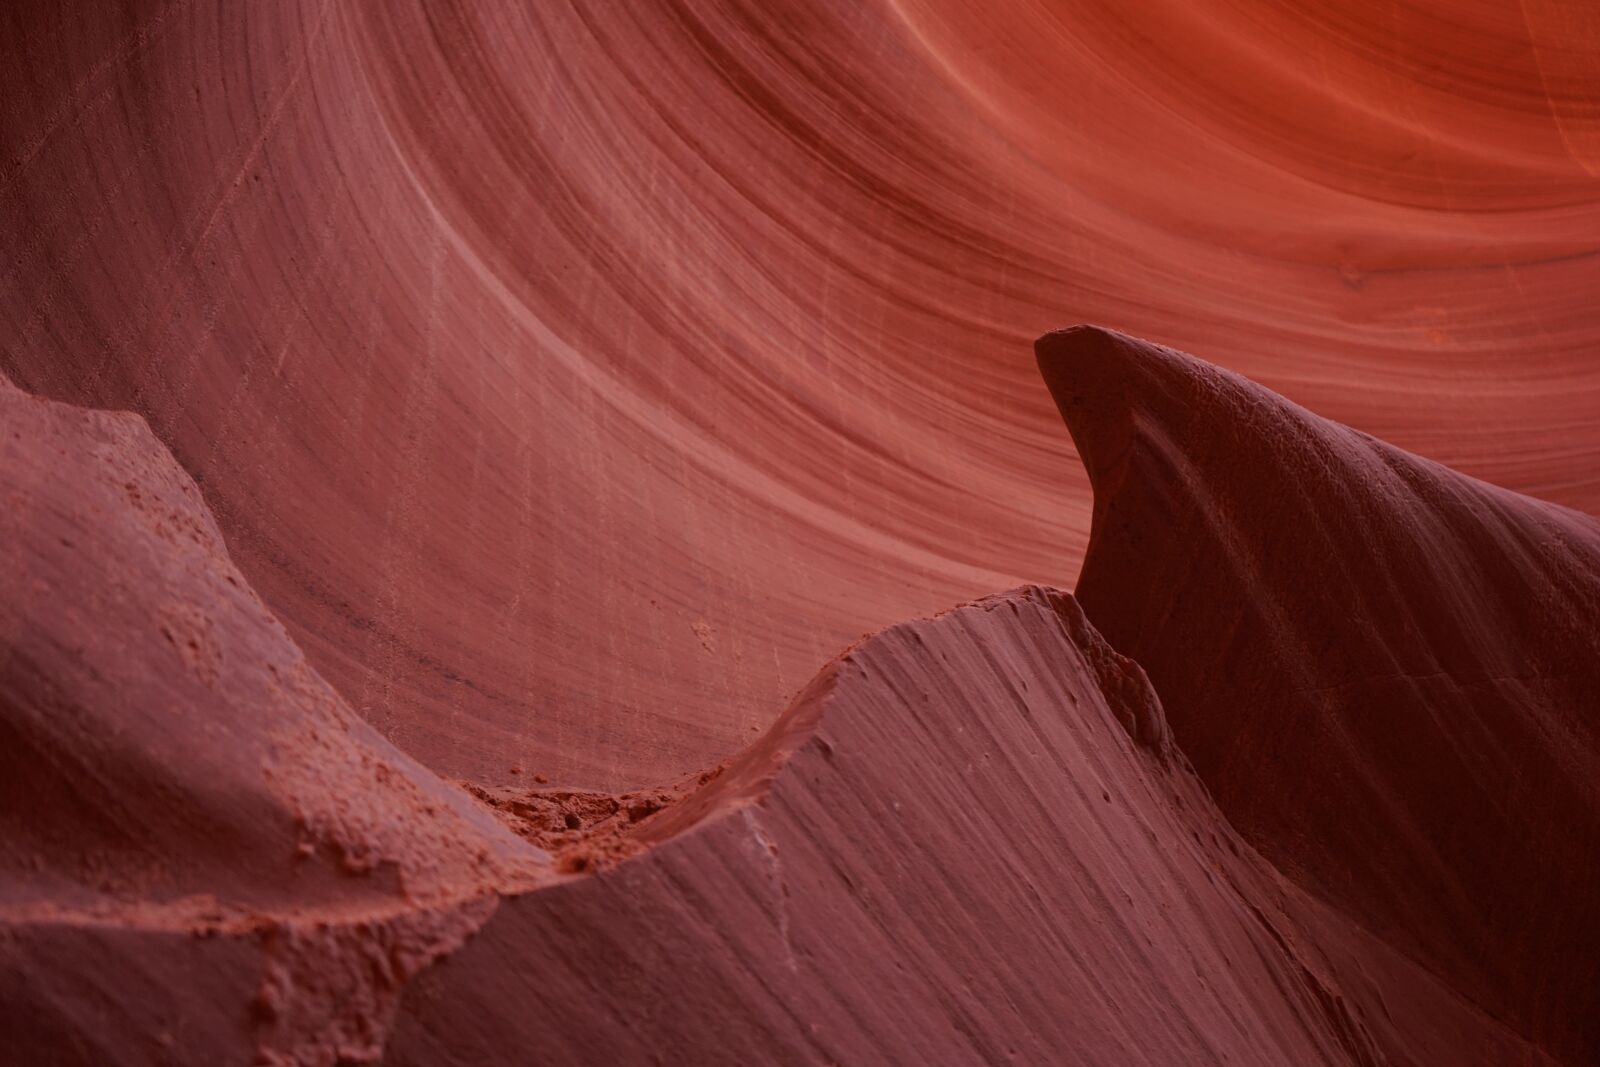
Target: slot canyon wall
{"points": [[574, 380], [533, 397]]}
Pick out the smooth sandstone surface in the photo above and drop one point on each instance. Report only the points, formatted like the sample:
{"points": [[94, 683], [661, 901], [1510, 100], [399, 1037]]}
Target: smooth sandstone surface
{"points": [[575, 379], [1388, 674]]}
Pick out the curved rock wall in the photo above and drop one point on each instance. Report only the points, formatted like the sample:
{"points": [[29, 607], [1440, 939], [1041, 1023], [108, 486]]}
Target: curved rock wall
{"points": [[574, 379]]}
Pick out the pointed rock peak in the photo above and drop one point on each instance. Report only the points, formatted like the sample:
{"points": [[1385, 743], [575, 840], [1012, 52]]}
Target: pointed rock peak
{"points": [[1078, 360], [1334, 625], [1090, 364], [1106, 384], [1088, 369]]}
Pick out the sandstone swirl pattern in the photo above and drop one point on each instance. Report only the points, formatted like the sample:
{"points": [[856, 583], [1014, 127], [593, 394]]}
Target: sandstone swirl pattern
{"points": [[510, 341]]}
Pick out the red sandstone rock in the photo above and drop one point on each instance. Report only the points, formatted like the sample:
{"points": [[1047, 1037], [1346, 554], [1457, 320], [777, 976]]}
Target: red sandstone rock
{"points": [[203, 851], [1387, 673], [573, 380], [949, 850], [970, 839], [517, 345]]}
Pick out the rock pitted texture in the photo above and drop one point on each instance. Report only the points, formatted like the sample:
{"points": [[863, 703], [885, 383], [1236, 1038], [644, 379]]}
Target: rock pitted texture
{"points": [[202, 849]]}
